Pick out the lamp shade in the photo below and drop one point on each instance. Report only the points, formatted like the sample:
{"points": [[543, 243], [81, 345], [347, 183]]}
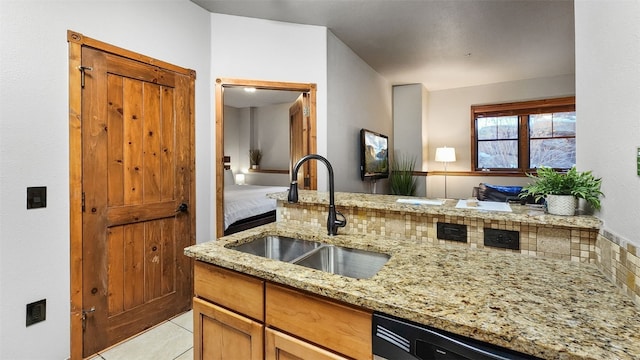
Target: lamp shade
{"points": [[445, 154], [240, 179]]}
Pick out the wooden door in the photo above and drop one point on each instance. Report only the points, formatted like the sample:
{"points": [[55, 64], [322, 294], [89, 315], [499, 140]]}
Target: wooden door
{"points": [[136, 180], [280, 346], [220, 334], [302, 142]]}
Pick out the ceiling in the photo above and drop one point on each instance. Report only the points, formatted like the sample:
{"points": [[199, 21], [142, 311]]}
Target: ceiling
{"points": [[442, 44], [236, 96]]}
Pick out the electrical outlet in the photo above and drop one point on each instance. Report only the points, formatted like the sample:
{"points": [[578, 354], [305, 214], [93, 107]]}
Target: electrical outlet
{"points": [[505, 239], [36, 197], [454, 232], [36, 312]]}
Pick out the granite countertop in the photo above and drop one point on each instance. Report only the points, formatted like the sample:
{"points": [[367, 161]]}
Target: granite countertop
{"points": [[519, 213], [549, 308]]}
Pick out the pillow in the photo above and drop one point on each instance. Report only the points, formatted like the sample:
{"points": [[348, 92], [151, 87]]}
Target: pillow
{"points": [[502, 193], [229, 179]]}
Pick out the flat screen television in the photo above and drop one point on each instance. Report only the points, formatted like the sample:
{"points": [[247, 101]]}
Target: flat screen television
{"points": [[374, 155]]}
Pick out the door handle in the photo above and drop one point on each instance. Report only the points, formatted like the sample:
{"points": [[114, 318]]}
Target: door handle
{"points": [[84, 316], [182, 208]]}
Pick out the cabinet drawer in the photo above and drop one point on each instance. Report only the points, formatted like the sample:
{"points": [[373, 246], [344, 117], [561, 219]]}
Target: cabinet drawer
{"points": [[341, 328], [280, 346], [235, 291]]}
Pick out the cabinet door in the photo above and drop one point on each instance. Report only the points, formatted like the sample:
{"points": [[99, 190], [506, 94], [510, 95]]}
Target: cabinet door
{"points": [[339, 327], [280, 346], [220, 334]]}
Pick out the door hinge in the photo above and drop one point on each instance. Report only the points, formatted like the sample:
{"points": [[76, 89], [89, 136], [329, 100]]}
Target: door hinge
{"points": [[306, 111], [84, 316], [82, 70], [83, 201]]}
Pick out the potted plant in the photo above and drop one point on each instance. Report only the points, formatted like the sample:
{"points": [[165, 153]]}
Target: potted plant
{"points": [[255, 155], [561, 190], [401, 178]]}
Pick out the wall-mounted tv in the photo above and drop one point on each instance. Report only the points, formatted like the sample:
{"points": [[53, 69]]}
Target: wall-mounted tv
{"points": [[374, 155]]}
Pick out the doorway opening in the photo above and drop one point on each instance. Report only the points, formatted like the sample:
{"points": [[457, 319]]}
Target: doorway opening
{"points": [[301, 137]]}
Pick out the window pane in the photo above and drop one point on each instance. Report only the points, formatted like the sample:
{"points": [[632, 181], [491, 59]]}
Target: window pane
{"points": [[497, 128], [501, 154], [552, 125], [540, 125], [564, 124], [556, 153]]}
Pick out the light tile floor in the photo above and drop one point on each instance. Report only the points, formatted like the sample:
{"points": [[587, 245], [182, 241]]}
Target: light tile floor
{"points": [[171, 340]]}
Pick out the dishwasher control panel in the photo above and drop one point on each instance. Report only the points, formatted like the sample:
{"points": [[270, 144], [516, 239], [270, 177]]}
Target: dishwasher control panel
{"points": [[400, 339]]}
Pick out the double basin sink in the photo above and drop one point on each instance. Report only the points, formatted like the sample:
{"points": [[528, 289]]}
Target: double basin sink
{"points": [[354, 263]]}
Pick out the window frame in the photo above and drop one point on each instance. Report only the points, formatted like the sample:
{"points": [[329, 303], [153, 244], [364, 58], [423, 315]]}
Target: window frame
{"points": [[522, 109]]}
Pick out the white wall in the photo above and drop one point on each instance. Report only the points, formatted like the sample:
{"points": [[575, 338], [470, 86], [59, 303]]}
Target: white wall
{"points": [[358, 98], [268, 50], [449, 124], [272, 123], [271, 128], [608, 93], [233, 119], [248, 48], [409, 104], [34, 143]]}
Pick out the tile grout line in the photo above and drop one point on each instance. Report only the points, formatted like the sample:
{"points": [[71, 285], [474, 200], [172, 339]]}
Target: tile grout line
{"points": [[180, 326], [186, 351], [100, 356]]}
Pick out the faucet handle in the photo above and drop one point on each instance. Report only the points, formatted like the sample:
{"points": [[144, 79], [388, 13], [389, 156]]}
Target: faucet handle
{"points": [[341, 223]]}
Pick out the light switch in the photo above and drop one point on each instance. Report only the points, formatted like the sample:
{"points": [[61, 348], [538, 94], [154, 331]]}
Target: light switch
{"points": [[36, 197]]}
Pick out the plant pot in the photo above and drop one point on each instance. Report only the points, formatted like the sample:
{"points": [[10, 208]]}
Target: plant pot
{"points": [[561, 204], [255, 167]]}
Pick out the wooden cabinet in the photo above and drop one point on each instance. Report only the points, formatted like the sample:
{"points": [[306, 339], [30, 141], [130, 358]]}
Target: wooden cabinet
{"points": [[222, 334], [228, 313], [237, 316], [280, 346], [230, 289], [342, 328]]}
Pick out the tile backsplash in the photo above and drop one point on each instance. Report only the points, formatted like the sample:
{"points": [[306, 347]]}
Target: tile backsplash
{"points": [[617, 259], [566, 243]]}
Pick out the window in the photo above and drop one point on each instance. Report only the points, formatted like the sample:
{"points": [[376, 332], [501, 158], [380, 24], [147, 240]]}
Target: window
{"points": [[519, 137]]}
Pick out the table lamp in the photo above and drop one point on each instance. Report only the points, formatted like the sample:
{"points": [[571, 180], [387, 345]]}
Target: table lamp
{"points": [[445, 155]]}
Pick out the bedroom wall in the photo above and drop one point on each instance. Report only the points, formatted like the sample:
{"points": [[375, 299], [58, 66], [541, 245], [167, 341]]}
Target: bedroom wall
{"points": [[34, 142], [270, 126], [272, 122], [358, 98], [607, 91], [233, 140], [248, 48], [449, 124]]}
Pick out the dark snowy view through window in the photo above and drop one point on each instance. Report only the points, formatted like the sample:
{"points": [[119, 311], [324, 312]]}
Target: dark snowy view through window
{"points": [[551, 141]]}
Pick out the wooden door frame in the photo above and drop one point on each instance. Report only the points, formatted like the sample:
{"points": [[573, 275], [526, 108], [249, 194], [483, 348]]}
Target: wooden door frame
{"points": [[258, 84], [76, 42]]}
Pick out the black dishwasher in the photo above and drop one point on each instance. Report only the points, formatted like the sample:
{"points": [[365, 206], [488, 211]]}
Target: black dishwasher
{"points": [[397, 339]]}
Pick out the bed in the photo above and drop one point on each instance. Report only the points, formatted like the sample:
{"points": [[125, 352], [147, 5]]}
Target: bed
{"points": [[247, 206]]}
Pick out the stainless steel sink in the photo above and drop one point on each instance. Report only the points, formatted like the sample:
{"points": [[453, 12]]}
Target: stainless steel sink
{"points": [[278, 247], [359, 264]]}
